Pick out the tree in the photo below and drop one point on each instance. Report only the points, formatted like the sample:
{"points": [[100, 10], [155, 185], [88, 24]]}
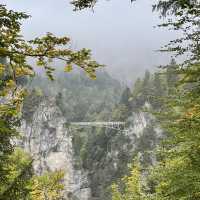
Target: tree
{"points": [[123, 110], [177, 175], [133, 188], [47, 187], [17, 173], [14, 53], [158, 90], [146, 86], [125, 98], [171, 74], [82, 4], [137, 88]]}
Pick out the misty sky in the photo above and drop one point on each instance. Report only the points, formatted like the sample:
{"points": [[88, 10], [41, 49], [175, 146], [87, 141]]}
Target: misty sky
{"points": [[120, 34]]}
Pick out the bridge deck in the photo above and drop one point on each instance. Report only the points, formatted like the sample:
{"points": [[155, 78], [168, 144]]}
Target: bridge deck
{"points": [[96, 123]]}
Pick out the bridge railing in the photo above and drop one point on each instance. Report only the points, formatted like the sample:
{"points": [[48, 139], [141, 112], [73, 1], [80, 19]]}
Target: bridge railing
{"points": [[96, 123]]}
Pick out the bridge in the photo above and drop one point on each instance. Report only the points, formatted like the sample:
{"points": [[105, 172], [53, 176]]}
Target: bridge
{"points": [[116, 125]]}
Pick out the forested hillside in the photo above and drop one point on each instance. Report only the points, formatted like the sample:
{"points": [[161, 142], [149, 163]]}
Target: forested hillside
{"points": [[153, 156], [102, 152], [79, 97]]}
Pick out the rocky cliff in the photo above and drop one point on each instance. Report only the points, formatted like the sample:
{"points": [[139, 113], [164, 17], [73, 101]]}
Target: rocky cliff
{"points": [[49, 142]]}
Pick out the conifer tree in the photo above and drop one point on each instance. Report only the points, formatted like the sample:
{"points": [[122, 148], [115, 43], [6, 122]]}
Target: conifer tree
{"points": [[130, 187], [137, 87], [171, 74]]}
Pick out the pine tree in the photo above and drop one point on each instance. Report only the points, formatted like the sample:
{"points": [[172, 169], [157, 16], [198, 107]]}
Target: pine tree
{"points": [[130, 187], [146, 86], [171, 74], [125, 98], [158, 91], [177, 175], [137, 88]]}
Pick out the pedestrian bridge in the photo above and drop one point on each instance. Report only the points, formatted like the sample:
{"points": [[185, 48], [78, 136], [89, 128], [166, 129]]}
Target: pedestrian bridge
{"points": [[116, 125]]}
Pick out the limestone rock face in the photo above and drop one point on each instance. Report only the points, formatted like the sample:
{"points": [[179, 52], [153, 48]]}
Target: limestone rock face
{"points": [[144, 133], [50, 144]]}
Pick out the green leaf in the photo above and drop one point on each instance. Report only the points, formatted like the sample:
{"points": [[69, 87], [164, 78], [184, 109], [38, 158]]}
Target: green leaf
{"points": [[68, 68]]}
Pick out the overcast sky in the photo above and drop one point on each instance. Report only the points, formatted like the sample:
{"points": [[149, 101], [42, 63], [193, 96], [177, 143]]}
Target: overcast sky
{"points": [[120, 34]]}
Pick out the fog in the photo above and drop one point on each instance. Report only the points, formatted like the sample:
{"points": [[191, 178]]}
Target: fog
{"points": [[121, 35]]}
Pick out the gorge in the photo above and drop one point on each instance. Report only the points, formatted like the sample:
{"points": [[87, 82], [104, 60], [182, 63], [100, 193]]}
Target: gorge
{"points": [[92, 158]]}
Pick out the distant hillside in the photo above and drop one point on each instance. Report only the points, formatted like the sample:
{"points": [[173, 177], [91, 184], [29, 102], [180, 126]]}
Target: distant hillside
{"points": [[79, 97]]}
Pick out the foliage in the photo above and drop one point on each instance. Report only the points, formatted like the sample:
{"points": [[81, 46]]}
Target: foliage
{"points": [[15, 51], [182, 16], [18, 172], [83, 4], [45, 49], [48, 186], [131, 187], [177, 175]]}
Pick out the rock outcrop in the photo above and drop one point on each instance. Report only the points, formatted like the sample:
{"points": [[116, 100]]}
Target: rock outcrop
{"points": [[50, 144]]}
